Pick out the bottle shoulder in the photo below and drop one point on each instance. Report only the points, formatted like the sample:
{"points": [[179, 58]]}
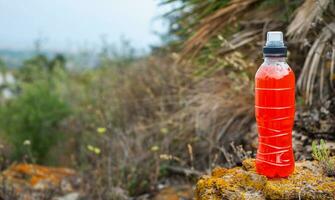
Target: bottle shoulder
{"points": [[274, 69], [275, 64], [272, 73]]}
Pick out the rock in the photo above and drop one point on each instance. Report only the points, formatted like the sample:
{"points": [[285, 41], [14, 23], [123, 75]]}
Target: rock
{"points": [[117, 193], [71, 196], [318, 121], [178, 192], [243, 183], [29, 181]]}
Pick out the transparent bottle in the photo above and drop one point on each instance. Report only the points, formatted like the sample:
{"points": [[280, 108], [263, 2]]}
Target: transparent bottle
{"points": [[274, 110]]}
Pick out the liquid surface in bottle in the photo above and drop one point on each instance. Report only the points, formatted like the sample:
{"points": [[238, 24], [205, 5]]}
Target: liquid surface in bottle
{"points": [[274, 109]]}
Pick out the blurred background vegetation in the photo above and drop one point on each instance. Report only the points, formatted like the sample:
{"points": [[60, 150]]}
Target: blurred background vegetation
{"points": [[136, 122]]}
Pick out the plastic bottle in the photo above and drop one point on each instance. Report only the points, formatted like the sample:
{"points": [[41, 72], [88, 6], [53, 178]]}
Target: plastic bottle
{"points": [[274, 110]]}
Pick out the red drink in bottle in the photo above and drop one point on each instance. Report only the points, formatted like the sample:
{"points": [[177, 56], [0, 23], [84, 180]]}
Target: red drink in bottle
{"points": [[274, 108]]}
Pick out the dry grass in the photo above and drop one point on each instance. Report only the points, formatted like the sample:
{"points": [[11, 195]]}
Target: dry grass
{"points": [[153, 118], [124, 118]]}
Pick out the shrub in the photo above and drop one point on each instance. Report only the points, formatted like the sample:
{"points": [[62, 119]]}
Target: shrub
{"points": [[321, 153], [33, 116]]}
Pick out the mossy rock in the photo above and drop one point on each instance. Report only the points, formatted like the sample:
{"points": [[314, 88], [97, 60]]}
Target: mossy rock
{"points": [[243, 183]]}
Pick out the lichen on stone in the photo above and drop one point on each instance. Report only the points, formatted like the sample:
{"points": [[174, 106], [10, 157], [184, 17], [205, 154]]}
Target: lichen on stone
{"points": [[243, 183]]}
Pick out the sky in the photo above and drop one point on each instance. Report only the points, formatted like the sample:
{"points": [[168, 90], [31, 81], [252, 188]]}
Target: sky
{"points": [[71, 24]]}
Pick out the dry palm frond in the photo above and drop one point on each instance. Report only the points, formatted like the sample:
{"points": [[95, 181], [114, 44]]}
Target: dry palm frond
{"points": [[240, 39], [187, 13], [210, 25], [250, 35], [305, 16], [312, 63]]}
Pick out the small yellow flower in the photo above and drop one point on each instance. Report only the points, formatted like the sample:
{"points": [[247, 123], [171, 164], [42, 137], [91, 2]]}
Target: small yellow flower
{"points": [[101, 130], [169, 157], [90, 147], [94, 149], [97, 150], [154, 148], [164, 130], [27, 143], [165, 157]]}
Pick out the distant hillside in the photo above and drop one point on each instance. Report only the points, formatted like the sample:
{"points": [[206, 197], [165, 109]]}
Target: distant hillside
{"points": [[15, 58]]}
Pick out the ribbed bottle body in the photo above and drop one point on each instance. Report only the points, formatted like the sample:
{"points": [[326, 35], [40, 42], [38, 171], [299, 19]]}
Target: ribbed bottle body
{"points": [[274, 110]]}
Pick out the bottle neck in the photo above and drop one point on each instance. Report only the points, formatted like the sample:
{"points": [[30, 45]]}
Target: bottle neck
{"points": [[275, 59]]}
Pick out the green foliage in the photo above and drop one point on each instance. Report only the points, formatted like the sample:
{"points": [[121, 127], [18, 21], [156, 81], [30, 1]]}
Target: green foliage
{"points": [[117, 55], [321, 153], [3, 66], [40, 67], [31, 118]]}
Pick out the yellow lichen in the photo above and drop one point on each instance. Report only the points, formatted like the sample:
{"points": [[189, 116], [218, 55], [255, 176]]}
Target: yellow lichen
{"points": [[307, 182], [218, 172], [249, 165]]}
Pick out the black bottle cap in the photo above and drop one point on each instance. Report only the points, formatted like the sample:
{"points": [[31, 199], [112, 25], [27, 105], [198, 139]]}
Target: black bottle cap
{"points": [[274, 46]]}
